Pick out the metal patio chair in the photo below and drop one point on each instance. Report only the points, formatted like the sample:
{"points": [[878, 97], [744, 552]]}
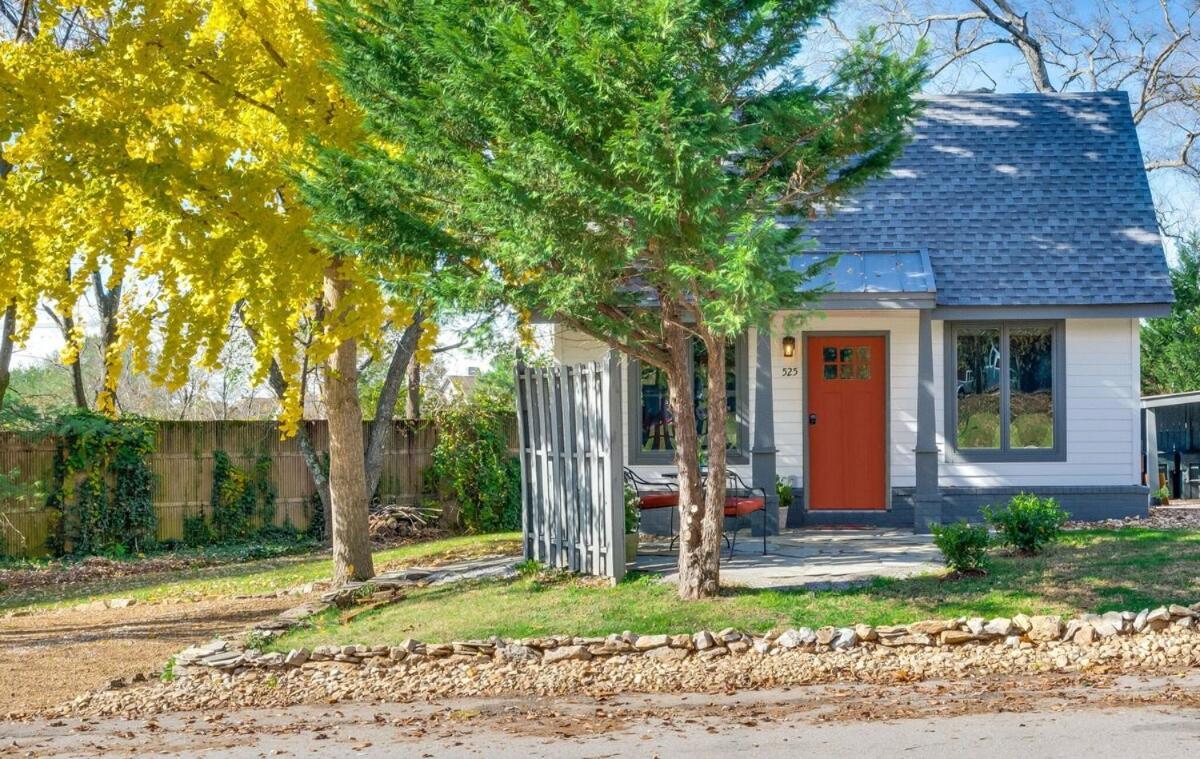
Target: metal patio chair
{"points": [[742, 500]]}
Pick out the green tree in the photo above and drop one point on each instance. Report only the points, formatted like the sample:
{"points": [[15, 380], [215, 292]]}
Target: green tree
{"points": [[623, 164], [1171, 344]]}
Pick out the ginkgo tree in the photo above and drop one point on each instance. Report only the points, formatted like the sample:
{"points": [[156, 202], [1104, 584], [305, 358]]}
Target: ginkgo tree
{"points": [[161, 151]]}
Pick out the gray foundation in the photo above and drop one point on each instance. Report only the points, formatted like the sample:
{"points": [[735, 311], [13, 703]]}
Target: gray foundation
{"points": [[909, 511]]}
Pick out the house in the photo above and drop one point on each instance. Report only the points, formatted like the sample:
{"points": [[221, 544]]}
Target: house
{"points": [[979, 337]]}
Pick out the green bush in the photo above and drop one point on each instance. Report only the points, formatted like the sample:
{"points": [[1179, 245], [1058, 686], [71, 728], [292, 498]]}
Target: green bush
{"points": [[963, 545], [633, 511], [472, 464], [1029, 523]]}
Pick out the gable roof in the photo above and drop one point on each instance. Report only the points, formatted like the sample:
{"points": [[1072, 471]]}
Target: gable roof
{"points": [[1018, 199]]}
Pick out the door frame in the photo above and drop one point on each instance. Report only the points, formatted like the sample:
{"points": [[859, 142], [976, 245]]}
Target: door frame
{"points": [[887, 414]]}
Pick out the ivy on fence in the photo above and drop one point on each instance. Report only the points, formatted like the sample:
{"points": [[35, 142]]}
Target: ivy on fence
{"points": [[102, 488], [241, 504]]}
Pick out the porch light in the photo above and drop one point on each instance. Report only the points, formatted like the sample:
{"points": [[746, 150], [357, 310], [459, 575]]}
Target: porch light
{"points": [[789, 346]]}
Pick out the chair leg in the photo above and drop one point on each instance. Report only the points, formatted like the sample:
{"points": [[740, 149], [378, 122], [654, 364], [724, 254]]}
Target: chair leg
{"points": [[733, 542], [764, 530]]}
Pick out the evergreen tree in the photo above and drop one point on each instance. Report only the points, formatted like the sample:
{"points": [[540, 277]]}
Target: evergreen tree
{"points": [[623, 165], [1171, 345]]}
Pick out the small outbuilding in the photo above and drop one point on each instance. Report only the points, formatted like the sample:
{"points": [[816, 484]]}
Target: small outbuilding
{"points": [[1171, 443]]}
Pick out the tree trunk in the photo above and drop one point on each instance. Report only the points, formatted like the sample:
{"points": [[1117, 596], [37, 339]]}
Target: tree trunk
{"points": [[77, 385], [320, 475], [714, 490], [107, 303], [389, 394], [347, 480], [66, 325], [412, 404], [6, 348], [697, 568]]}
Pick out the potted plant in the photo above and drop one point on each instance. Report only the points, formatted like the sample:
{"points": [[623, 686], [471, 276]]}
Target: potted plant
{"points": [[783, 489], [633, 517], [1160, 497]]}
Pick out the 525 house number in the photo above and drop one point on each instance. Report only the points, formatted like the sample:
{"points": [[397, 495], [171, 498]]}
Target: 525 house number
{"points": [[790, 371]]}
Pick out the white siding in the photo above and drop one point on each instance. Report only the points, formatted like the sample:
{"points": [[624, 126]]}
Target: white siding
{"points": [[1102, 381], [1102, 414], [901, 330]]}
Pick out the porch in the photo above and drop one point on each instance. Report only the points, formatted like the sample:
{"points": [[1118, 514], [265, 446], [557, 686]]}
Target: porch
{"points": [[808, 559]]}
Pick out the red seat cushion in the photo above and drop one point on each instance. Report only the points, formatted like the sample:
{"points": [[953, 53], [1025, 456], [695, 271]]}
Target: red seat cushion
{"points": [[658, 500], [740, 506]]}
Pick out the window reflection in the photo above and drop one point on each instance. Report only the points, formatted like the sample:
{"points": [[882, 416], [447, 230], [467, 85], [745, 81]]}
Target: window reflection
{"points": [[1031, 392], [978, 388], [657, 423]]}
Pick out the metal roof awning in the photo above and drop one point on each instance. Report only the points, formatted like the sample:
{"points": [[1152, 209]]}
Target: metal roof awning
{"points": [[871, 279], [1170, 399]]}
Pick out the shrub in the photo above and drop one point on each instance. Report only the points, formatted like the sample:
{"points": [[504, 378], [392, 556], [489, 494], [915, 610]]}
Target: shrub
{"points": [[472, 463], [1029, 523], [963, 545]]}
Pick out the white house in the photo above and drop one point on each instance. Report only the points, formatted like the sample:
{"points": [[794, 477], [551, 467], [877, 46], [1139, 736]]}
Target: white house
{"points": [[980, 334]]}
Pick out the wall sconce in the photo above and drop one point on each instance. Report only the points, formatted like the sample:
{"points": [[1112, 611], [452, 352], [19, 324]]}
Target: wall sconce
{"points": [[789, 346]]}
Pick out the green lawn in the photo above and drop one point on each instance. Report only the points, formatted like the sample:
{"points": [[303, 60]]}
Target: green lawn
{"points": [[1093, 570], [252, 577]]}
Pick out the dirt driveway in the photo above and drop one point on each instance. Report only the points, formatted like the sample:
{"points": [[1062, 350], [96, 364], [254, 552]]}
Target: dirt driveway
{"points": [[51, 656]]}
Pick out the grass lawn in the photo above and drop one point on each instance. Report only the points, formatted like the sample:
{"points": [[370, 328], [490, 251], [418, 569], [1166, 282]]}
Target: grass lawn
{"points": [[1091, 570], [251, 577]]}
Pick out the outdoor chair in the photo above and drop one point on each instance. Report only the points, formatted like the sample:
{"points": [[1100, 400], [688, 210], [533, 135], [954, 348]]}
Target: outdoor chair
{"points": [[741, 501], [654, 495]]}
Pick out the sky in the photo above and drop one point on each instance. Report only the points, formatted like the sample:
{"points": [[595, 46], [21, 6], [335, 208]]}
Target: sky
{"points": [[1004, 72]]}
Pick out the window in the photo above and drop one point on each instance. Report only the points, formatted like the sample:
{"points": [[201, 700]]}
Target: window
{"points": [[1007, 399], [846, 363], [652, 428]]}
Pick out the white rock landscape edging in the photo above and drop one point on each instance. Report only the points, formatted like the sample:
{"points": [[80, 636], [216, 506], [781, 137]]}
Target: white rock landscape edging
{"points": [[1020, 631], [225, 675]]}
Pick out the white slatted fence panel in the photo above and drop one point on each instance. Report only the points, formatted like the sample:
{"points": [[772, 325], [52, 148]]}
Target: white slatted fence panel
{"points": [[572, 497]]}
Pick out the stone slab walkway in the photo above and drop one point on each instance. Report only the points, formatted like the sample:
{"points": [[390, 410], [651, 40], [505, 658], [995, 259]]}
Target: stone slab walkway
{"points": [[816, 559]]}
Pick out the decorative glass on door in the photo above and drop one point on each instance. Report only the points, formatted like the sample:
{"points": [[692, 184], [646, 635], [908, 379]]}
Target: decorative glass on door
{"points": [[852, 362]]}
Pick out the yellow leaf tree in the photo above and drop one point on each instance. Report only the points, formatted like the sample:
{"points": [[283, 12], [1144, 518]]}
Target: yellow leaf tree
{"points": [[160, 149]]}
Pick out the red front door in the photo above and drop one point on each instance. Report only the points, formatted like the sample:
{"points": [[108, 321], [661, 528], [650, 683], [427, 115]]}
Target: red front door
{"points": [[847, 411]]}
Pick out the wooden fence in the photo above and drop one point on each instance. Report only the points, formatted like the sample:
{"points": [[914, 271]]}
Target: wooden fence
{"points": [[572, 496], [183, 468]]}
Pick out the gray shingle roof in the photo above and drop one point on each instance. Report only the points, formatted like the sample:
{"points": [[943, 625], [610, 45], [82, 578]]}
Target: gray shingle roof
{"points": [[1019, 199]]}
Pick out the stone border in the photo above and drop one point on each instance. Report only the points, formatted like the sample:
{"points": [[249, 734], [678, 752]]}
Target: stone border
{"points": [[1021, 631]]}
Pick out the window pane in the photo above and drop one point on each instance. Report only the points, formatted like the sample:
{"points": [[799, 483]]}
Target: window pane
{"points": [[658, 429], [978, 388], [700, 387], [1031, 392]]}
